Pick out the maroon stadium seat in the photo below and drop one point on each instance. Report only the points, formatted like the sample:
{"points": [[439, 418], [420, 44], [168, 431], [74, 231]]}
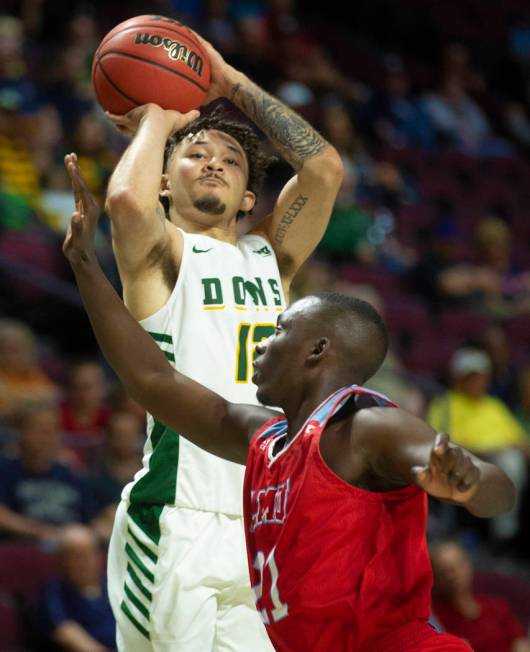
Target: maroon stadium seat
{"points": [[510, 588], [9, 625], [463, 324], [23, 568]]}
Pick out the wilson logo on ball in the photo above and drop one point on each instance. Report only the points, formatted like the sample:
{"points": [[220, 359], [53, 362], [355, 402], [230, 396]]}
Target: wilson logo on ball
{"points": [[175, 50], [150, 59]]}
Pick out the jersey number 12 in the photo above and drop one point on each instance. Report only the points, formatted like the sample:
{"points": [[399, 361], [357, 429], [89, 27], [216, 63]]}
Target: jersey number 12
{"points": [[247, 337]]}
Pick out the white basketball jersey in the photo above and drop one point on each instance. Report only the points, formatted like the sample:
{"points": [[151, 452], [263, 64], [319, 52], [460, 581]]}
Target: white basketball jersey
{"points": [[226, 300]]}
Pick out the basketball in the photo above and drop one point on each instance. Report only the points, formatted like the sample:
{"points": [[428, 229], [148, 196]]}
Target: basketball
{"points": [[150, 59]]}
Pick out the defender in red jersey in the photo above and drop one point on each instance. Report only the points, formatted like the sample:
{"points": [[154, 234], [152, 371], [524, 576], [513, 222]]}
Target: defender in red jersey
{"points": [[335, 490]]}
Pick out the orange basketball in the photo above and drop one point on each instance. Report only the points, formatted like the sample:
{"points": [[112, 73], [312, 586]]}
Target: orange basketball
{"points": [[150, 59]]}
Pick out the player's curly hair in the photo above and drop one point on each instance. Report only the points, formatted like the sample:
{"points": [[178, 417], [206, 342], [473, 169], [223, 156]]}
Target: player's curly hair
{"points": [[246, 136]]}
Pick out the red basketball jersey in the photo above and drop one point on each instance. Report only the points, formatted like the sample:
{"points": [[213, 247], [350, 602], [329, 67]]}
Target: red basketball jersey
{"points": [[334, 568]]}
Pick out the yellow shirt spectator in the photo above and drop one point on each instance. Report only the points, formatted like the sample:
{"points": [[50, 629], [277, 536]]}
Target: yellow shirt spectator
{"points": [[482, 424]]}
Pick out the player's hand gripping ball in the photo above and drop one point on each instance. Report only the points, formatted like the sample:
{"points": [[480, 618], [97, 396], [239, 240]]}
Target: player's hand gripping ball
{"points": [[150, 59]]}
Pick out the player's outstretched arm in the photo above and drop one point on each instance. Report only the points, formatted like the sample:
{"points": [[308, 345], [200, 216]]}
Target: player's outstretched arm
{"points": [[304, 206], [404, 449], [220, 427]]}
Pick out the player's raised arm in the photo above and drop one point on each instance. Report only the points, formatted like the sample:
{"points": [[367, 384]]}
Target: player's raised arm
{"points": [[132, 203], [205, 418], [403, 449], [303, 209]]}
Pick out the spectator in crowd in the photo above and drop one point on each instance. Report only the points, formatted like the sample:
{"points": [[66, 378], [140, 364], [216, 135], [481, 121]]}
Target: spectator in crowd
{"points": [[459, 121], [504, 375], [120, 401], [38, 494], [346, 232], [445, 280], [74, 611], [219, 27], [493, 241], [120, 460], [315, 275], [486, 621], [96, 159], [456, 63], [19, 176], [16, 86], [84, 413], [482, 424], [22, 380], [397, 119]]}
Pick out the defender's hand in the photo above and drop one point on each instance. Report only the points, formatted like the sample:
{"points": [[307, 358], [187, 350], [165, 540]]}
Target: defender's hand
{"points": [[451, 473], [173, 121], [79, 241]]}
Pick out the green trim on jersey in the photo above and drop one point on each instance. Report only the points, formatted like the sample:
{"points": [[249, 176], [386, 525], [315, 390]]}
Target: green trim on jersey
{"points": [[161, 337], [158, 486]]}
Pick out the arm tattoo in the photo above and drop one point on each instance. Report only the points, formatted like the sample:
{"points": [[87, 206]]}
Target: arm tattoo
{"points": [[294, 138], [288, 218]]}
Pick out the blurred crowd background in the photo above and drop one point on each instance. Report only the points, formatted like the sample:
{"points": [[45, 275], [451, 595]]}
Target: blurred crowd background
{"points": [[428, 103]]}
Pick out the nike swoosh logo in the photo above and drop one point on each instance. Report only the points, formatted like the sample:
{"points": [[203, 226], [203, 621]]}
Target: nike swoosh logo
{"points": [[200, 251], [264, 251]]}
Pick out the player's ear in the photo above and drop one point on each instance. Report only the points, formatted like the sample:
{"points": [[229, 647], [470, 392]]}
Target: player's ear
{"points": [[165, 188], [248, 201], [319, 350]]}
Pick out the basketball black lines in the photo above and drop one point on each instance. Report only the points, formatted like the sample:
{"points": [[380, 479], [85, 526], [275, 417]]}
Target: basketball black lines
{"points": [[150, 62]]}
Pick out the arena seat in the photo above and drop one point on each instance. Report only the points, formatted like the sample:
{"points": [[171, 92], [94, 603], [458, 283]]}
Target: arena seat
{"points": [[518, 329], [9, 625], [23, 568], [515, 591], [463, 324], [429, 353]]}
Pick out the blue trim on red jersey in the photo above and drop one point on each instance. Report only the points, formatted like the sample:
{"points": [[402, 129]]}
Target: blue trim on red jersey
{"points": [[327, 409], [338, 399], [276, 428]]}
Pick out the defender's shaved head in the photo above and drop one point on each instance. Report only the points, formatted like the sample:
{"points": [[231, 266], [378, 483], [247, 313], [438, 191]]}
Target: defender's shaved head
{"points": [[357, 329]]}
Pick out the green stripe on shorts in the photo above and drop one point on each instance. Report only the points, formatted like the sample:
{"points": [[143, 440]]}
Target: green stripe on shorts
{"points": [[143, 547], [136, 602], [133, 620], [138, 583], [138, 563]]}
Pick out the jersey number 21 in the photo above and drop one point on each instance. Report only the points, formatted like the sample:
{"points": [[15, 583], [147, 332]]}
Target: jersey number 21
{"points": [[280, 610]]}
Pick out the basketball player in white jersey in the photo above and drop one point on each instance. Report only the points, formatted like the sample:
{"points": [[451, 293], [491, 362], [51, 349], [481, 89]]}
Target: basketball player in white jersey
{"points": [[177, 566]]}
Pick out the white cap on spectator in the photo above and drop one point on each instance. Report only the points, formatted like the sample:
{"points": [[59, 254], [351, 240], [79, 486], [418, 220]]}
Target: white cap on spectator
{"points": [[470, 361]]}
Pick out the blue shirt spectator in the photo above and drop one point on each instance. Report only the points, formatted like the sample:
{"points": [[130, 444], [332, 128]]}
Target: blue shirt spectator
{"points": [[38, 494], [74, 610], [62, 602], [55, 495]]}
